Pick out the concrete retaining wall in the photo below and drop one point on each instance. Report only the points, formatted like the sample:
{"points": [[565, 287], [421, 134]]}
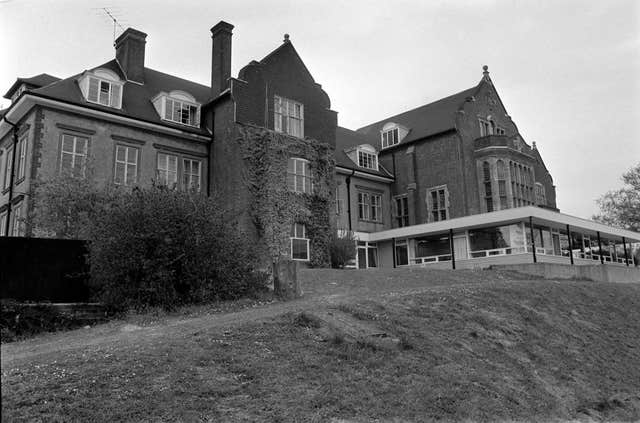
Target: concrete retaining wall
{"points": [[597, 272]]}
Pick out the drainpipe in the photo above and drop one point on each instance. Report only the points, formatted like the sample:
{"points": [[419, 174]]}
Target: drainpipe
{"points": [[570, 244], [533, 239], [348, 181], [453, 253], [13, 171]]}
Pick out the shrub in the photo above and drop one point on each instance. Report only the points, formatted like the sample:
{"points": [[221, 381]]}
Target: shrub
{"points": [[342, 248], [159, 247]]}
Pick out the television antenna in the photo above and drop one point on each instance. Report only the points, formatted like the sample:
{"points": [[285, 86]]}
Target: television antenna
{"points": [[113, 16]]}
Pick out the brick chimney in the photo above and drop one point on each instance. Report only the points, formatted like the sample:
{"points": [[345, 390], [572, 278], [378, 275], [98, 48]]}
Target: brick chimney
{"points": [[130, 54], [220, 57]]}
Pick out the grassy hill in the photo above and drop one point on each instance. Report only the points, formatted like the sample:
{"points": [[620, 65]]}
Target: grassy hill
{"points": [[502, 349]]}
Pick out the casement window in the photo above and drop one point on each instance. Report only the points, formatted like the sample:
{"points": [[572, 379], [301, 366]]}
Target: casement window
{"points": [[191, 174], [3, 224], [181, 112], [339, 202], [17, 223], [521, 184], [402, 211], [369, 207], [488, 192], [22, 156], [390, 137], [299, 175], [73, 155], [8, 167], [438, 203], [126, 165], [502, 184], [541, 196], [167, 170], [299, 242], [367, 160], [104, 92], [289, 117]]}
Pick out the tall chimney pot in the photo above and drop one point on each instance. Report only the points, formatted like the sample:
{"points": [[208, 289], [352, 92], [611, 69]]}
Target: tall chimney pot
{"points": [[220, 57], [130, 54]]}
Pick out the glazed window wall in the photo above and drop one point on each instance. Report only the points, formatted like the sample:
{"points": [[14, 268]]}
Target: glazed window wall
{"points": [[498, 240]]}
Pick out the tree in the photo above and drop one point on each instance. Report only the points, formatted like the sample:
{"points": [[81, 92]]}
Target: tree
{"points": [[342, 248], [621, 208]]}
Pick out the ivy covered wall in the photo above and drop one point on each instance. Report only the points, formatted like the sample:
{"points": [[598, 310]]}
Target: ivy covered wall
{"points": [[273, 208]]}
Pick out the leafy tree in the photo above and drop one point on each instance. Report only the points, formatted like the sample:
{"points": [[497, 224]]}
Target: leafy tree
{"points": [[621, 208], [342, 248]]}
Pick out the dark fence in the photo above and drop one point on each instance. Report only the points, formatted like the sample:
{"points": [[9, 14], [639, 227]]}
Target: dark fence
{"points": [[39, 269]]}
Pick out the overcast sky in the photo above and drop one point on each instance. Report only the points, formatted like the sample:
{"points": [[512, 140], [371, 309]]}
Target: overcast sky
{"points": [[568, 72]]}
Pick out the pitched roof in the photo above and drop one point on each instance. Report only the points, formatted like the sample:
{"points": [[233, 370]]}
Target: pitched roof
{"points": [[424, 121], [345, 139], [136, 98], [38, 81]]}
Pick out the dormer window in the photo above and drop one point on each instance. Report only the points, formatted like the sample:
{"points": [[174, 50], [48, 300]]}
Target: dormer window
{"points": [[392, 134], [179, 107], [103, 87], [367, 157], [390, 138]]}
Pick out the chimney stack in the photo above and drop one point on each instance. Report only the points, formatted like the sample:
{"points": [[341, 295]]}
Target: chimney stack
{"points": [[130, 54], [220, 57]]}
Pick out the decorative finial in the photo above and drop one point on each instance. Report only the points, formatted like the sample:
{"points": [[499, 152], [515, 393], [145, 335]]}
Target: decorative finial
{"points": [[485, 73], [534, 145], [286, 38]]}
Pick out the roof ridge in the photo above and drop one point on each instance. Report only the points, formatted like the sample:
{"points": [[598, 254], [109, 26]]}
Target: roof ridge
{"points": [[417, 108]]}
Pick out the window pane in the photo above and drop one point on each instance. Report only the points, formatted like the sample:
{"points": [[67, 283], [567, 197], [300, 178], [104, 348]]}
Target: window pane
{"points": [[120, 153], [300, 251], [131, 174], [93, 89], [119, 173], [67, 143]]}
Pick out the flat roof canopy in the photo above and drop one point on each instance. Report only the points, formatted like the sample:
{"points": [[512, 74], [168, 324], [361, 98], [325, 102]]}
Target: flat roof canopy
{"points": [[539, 216]]}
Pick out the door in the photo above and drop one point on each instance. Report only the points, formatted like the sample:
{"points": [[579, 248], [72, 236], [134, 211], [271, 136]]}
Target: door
{"points": [[460, 247], [362, 257]]}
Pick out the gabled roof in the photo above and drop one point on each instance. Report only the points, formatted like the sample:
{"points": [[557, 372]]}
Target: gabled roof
{"points": [[424, 121], [346, 139], [37, 81], [136, 98]]}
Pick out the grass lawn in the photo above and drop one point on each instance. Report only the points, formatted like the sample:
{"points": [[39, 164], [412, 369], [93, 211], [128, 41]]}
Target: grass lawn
{"points": [[520, 350]]}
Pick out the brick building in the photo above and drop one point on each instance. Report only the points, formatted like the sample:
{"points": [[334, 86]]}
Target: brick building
{"points": [[450, 178]]}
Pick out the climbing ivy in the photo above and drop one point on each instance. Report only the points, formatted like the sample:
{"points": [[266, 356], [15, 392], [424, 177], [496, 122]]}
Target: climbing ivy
{"points": [[273, 207]]}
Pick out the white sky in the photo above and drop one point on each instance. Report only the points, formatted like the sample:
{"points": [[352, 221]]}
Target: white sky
{"points": [[567, 71]]}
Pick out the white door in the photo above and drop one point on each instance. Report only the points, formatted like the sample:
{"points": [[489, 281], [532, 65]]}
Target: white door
{"points": [[460, 247]]}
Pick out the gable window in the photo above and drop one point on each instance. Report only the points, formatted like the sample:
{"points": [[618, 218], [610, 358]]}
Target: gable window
{"points": [[369, 206], [500, 131], [8, 167], [390, 137], [191, 175], [486, 127], [22, 156], [181, 112], [438, 203], [73, 155], [299, 242], [402, 211], [104, 92], [167, 170], [289, 117], [299, 175], [126, 165], [368, 160]]}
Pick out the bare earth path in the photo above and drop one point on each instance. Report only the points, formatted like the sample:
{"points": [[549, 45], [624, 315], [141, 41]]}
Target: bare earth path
{"points": [[321, 288]]}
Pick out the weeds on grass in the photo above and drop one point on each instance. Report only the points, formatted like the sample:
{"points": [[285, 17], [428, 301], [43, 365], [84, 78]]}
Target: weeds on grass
{"points": [[307, 320]]}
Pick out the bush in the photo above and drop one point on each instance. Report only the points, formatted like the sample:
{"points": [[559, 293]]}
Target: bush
{"points": [[159, 247], [342, 248]]}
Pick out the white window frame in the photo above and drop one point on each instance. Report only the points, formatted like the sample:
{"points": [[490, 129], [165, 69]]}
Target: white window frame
{"points": [[126, 163], [3, 223], [170, 111], [22, 156], [188, 177], [296, 236], [293, 183], [75, 154], [114, 92], [438, 209], [369, 207], [367, 159], [163, 170], [288, 116], [541, 195], [390, 137], [8, 167], [402, 212]]}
